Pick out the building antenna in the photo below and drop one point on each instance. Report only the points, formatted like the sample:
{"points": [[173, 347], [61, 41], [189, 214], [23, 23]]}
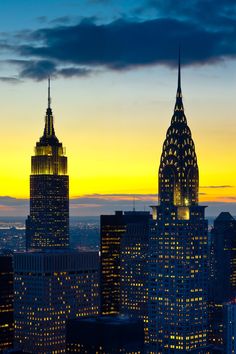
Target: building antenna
{"points": [[49, 93]]}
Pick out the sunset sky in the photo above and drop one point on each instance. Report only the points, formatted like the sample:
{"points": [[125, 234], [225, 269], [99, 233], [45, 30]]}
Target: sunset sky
{"points": [[114, 78]]}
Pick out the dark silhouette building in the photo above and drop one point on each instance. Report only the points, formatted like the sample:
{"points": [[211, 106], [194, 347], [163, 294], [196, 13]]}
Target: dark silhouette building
{"points": [[229, 327], [47, 226], [124, 249], [178, 247], [105, 334], [6, 302], [222, 273]]}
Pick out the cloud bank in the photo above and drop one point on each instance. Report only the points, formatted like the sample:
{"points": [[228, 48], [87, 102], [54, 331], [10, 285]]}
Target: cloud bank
{"points": [[206, 30], [97, 204]]}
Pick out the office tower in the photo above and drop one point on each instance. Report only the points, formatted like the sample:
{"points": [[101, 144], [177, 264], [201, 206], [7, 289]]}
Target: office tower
{"points": [[6, 302], [134, 266], [222, 272], [124, 247], [47, 226], [229, 333], [105, 334], [51, 287], [112, 229], [178, 246]]}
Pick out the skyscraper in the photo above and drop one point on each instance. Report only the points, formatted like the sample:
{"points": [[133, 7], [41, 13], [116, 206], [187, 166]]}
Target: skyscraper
{"points": [[178, 246], [222, 272], [112, 229], [51, 287], [47, 226], [124, 250], [52, 283], [134, 266], [6, 302]]}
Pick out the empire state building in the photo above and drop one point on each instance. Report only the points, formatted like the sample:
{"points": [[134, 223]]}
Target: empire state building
{"points": [[47, 226], [178, 246]]}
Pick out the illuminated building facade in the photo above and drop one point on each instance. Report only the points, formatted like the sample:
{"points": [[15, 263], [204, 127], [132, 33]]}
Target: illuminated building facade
{"points": [[51, 287], [124, 249], [134, 266], [47, 226], [105, 334], [222, 272], [229, 332], [178, 247], [112, 229], [6, 302]]}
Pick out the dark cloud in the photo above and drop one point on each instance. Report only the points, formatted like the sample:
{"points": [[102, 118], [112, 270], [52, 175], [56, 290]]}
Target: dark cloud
{"points": [[97, 204], [38, 70], [10, 201], [224, 186], [88, 205], [21, 36], [206, 30], [10, 80], [73, 71], [210, 13], [117, 199], [124, 45], [10, 206], [42, 69], [5, 46], [215, 208]]}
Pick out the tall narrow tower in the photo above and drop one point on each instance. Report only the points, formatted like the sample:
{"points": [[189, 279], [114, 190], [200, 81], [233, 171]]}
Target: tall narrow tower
{"points": [[47, 226], [178, 246]]}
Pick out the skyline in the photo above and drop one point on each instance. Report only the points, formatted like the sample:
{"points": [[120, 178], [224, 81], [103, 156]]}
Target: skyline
{"points": [[104, 111]]}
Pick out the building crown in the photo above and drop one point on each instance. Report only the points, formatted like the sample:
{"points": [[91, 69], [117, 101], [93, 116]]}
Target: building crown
{"points": [[49, 152], [178, 172], [49, 136]]}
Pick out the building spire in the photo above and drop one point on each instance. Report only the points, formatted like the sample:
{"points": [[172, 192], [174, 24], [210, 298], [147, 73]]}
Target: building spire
{"points": [[179, 72], [49, 128], [49, 95], [179, 103], [178, 172]]}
